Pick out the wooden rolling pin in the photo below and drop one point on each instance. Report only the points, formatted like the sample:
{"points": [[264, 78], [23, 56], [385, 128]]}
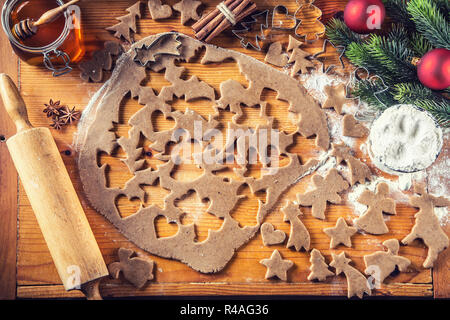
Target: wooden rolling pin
{"points": [[53, 198]]}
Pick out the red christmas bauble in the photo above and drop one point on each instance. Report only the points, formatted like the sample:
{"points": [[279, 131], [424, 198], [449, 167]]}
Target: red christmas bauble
{"points": [[433, 69], [364, 16]]}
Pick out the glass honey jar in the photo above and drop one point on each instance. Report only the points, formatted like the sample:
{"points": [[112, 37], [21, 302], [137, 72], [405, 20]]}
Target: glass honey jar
{"points": [[56, 45]]}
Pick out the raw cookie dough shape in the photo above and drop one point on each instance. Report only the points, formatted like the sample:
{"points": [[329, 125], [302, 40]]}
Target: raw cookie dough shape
{"points": [[276, 266], [301, 62], [275, 55], [341, 233], [299, 236], [135, 269], [158, 10], [127, 23], [188, 10], [427, 226], [381, 264], [319, 268], [352, 128], [270, 236], [101, 60], [326, 190], [216, 251], [336, 97], [372, 221], [357, 283], [293, 44], [359, 171]]}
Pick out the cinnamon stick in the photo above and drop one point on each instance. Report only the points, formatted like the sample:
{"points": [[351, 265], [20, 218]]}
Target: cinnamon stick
{"points": [[217, 20], [225, 24], [210, 16]]}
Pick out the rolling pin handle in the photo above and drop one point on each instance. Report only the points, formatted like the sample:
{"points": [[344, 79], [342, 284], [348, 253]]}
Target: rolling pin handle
{"points": [[14, 104]]}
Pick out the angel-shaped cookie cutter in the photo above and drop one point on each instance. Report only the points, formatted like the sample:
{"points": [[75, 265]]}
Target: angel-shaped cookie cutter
{"points": [[280, 9], [247, 28]]}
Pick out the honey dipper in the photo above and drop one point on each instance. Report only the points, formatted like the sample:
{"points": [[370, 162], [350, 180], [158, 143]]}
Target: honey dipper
{"points": [[27, 28]]}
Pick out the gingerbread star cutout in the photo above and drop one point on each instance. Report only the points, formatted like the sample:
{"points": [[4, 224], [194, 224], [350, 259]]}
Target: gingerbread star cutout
{"points": [[188, 10], [276, 266], [336, 97], [341, 233]]}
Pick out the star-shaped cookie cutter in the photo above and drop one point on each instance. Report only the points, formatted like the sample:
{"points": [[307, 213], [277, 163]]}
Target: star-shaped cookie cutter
{"points": [[340, 49], [153, 43], [283, 9], [247, 28]]}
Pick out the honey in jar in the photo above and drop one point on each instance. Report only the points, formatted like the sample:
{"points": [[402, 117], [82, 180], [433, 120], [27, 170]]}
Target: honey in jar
{"points": [[57, 44]]}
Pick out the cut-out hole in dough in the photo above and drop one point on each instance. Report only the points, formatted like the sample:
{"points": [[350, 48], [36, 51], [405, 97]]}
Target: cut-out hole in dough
{"points": [[195, 213], [160, 123], [127, 207], [163, 228], [203, 107], [279, 110], [156, 81], [116, 173], [186, 172], [246, 210]]}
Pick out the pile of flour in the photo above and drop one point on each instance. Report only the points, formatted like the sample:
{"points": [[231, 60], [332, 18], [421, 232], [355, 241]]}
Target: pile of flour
{"points": [[404, 139]]}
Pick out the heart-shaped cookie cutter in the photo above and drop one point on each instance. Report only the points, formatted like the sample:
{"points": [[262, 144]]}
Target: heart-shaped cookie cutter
{"points": [[280, 9]]}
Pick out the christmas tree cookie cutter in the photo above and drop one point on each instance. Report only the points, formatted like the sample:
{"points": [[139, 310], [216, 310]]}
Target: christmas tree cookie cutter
{"points": [[248, 27], [280, 9]]}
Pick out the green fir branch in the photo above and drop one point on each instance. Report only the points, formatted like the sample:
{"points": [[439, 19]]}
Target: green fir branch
{"points": [[339, 34], [439, 110], [430, 22], [398, 12], [419, 45], [374, 93]]}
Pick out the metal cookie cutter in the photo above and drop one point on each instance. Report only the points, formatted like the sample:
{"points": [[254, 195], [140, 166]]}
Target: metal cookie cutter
{"points": [[354, 78], [301, 7], [280, 9], [248, 26], [340, 49]]}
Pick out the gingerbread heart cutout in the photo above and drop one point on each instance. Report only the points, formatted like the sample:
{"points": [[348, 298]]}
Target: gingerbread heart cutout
{"points": [[158, 10], [352, 128], [270, 236]]}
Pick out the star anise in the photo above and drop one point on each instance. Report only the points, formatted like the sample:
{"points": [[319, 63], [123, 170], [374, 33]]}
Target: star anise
{"points": [[52, 109], [69, 116], [57, 124]]}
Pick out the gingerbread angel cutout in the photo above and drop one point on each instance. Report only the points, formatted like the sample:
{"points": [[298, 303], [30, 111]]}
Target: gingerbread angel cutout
{"points": [[372, 221]]}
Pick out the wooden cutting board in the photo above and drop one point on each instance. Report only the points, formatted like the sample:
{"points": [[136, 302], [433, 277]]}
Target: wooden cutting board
{"points": [[33, 274]]}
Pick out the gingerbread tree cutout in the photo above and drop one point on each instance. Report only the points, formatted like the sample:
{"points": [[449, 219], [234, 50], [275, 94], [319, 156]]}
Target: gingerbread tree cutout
{"points": [[341, 233], [92, 70], [293, 44], [336, 97], [372, 221], [319, 268], [127, 23], [301, 61], [188, 10], [275, 55], [357, 283], [135, 269], [158, 10], [309, 26], [359, 171], [299, 236], [276, 266], [381, 264], [427, 226], [326, 190]]}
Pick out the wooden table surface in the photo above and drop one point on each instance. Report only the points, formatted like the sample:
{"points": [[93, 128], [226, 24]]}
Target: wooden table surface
{"points": [[26, 268]]}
